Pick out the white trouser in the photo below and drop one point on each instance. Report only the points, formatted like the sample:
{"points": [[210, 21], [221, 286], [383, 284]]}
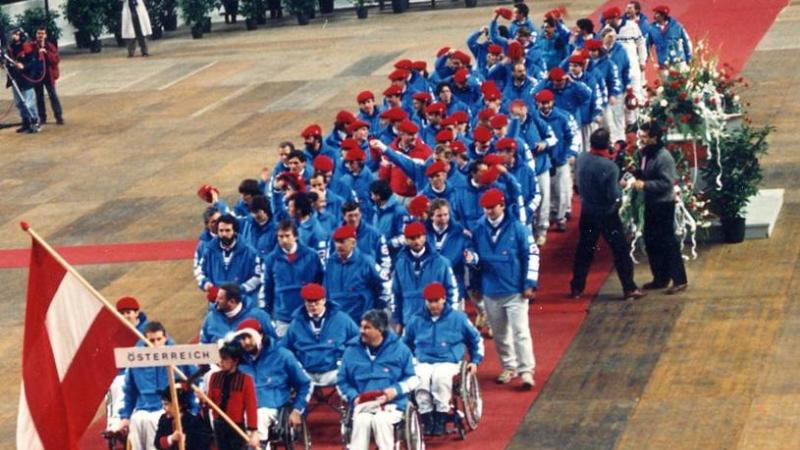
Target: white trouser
{"points": [[543, 214], [115, 402], [280, 327], [614, 118], [512, 334], [142, 429], [324, 378], [561, 187], [379, 423], [586, 133], [436, 379], [266, 417], [637, 83]]}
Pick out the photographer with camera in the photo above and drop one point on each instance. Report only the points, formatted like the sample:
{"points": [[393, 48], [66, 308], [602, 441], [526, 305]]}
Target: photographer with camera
{"points": [[24, 69]]}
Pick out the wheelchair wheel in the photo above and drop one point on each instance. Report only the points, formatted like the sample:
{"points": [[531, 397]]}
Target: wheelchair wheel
{"points": [[412, 430], [470, 394], [294, 437], [346, 425]]}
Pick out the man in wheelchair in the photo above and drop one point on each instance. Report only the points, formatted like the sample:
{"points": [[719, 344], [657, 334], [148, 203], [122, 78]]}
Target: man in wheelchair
{"points": [[276, 373], [317, 335], [376, 376], [438, 336]]}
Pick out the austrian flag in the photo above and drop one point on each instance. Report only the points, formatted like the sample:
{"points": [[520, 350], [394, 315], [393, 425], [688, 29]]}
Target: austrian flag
{"points": [[67, 356]]}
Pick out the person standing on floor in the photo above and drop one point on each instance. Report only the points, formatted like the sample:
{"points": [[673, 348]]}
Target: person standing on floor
{"points": [[48, 53], [656, 177], [135, 26], [597, 176]]}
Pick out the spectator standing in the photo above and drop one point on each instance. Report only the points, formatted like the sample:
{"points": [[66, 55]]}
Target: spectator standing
{"points": [[48, 53], [135, 26]]}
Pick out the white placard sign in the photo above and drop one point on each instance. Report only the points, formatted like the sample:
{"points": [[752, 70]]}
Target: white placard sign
{"points": [[172, 355]]}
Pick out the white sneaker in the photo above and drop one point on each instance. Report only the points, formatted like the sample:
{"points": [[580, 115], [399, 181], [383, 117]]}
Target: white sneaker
{"points": [[506, 376], [527, 381]]}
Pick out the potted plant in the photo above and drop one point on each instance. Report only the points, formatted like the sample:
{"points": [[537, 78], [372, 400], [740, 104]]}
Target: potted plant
{"points": [[88, 17], [302, 9], [113, 13], [155, 11], [251, 10], [169, 16], [325, 6], [195, 13], [470, 3], [361, 9], [731, 188], [33, 18], [399, 6]]}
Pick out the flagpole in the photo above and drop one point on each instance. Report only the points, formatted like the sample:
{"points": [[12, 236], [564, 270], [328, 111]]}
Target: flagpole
{"points": [[176, 405], [68, 267]]}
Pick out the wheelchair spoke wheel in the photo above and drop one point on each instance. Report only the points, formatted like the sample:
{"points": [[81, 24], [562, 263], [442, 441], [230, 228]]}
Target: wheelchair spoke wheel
{"points": [[412, 429], [473, 403]]}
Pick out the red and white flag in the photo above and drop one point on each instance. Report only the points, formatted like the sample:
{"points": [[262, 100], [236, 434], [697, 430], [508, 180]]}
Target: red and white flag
{"points": [[67, 356]]}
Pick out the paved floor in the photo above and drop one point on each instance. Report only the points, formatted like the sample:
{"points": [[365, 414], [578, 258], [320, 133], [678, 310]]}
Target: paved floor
{"points": [[716, 368]]}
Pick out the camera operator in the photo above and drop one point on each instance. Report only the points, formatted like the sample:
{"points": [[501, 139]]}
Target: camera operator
{"points": [[48, 54], [24, 69]]}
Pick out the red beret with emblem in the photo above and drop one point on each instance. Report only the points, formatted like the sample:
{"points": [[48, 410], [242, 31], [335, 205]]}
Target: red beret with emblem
{"points": [[434, 291], [492, 198]]}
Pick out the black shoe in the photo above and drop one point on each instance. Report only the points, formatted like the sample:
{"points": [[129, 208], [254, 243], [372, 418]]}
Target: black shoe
{"points": [[59, 121], [677, 288], [653, 285], [634, 295], [26, 124], [439, 423], [426, 420], [575, 294]]}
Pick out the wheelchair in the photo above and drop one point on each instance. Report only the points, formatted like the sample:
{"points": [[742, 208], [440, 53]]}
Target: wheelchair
{"points": [[407, 432], [466, 403], [281, 434]]}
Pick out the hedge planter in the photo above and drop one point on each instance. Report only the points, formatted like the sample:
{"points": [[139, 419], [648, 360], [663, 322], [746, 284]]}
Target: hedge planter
{"points": [[251, 24], [471, 3], [83, 39], [96, 46], [197, 31], [362, 12], [302, 19], [398, 6], [207, 25], [325, 6], [733, 229], [170, 22]]}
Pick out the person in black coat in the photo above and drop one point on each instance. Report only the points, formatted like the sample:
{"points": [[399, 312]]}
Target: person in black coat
{"points": [[196, 433], [656, 177], [597, 177], [24, 69]]}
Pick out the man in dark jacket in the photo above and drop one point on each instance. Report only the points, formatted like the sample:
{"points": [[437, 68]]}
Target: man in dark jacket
{"points": [[24, 70], [657, 179], [600, 198], [48, 53]]}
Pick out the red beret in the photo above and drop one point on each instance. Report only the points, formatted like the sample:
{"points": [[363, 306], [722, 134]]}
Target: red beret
{"points": [[489, 86], [312, 291], [492, 96], [458, 147], [349, 144], [557, 74], [312, 130], [435, 108], [295, 180], [495, 49], [482, 134], [514, 51], [492, 198], [593, 44], [662, 9], [576, 59], [584, 52], [494, 159], [345, 117], [398, 74], [545, 95], [612, 12], [205, 192], [444, 136], [418, 205], [355, 125], [498, 121], [424, 97], [442, 51], [436, 167], [506, 143], [460, 116], [211, 294], [505, 13], [344, 232], [463, 57], [518, 103], [420, 152], [323, 163], [394, 114], [489, 176], [393, 90], [419, 66], [355, 154], [127, 303], [414, 229], [434, 291], [404, 64], [485, 114], [364, 96], [407, 126], [252, 324], [448, 121], [461, 75]]}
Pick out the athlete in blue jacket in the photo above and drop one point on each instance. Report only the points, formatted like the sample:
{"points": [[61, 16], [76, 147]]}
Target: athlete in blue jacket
{"points": [[286, 270], [228, 312], [318, 334], [439, 337], [390, 215], [669, 38], [258, 228], [368, 239], [418, 265], [376, 376], [450, 239]]}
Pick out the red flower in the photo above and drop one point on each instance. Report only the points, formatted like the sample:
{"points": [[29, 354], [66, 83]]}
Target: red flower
{"points": [[697, 100], [675, 85], [684, 118], [673, 73], [669, 120], [682, 96]]}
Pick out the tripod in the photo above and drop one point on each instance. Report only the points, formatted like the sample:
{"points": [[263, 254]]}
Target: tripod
{"points": [[5, 63]]}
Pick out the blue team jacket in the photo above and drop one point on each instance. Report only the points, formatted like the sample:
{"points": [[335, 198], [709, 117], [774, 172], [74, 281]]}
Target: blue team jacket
{"points": [[275, 370], [216, 324], [355, 285], [320, 353], [283, 280], [511, 264], [407, 286], [443, 340]]}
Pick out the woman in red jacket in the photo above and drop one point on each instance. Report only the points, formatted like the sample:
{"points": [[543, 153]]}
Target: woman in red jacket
{"points": [[235, 393]]}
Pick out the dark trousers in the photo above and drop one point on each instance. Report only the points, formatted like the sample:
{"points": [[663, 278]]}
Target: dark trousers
{"points": [[55, 104], [227, 438], [663, 249], [137, 29], [610, 226]]}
